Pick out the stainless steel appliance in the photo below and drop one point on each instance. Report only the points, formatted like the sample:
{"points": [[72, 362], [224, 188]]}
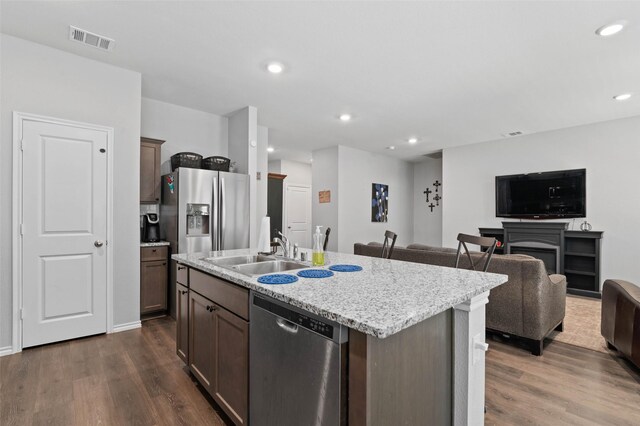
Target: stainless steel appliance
{"points": [[150, 228], [204, 210], [297, 370]]}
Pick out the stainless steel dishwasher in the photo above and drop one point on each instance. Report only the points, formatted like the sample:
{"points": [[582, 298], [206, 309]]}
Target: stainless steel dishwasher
{"points": [[297, 366]]}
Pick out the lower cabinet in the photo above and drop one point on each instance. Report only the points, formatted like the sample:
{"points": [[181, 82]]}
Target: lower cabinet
{"points": [[231, 365], [153, 286], [182, 322], [219, 354]]}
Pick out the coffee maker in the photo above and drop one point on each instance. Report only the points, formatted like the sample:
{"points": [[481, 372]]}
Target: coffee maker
{"points": [[150, 228]]}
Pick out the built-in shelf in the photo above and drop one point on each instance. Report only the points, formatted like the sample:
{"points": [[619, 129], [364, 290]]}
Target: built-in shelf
{"points": [[571, 253], [571, 271]]}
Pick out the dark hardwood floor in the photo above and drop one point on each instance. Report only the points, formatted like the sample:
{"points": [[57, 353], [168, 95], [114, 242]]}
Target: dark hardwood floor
{"points": [[128, 378], [135, 378]]}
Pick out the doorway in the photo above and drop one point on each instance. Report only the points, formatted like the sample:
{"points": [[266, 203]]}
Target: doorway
{"points": [[62, 214], [298, 214]]}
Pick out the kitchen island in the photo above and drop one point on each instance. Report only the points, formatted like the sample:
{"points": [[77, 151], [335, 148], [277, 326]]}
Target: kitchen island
{"points": [[415, 349]]}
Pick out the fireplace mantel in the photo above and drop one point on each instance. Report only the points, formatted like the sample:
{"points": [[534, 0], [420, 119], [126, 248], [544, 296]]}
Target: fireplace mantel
{"points": [[575, 254]]}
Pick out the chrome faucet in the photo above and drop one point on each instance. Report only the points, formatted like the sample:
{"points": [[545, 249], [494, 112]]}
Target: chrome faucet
{"points": [[284, 244]]}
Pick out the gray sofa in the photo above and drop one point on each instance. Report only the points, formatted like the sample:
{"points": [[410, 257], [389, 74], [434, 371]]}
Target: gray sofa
{"points": [[530, 305]]}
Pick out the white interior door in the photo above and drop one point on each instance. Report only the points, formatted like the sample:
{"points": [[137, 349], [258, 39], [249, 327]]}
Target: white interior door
{"points": [[64, 228], [298, 214]]}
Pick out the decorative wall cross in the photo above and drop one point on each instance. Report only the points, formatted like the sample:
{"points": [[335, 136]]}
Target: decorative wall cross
{"points": [[437, 199], [431, 206], [427, 192], [437, 184]]}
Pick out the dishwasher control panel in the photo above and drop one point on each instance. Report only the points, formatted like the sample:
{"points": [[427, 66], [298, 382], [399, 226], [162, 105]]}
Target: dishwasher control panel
{"points": [[301, 320]]}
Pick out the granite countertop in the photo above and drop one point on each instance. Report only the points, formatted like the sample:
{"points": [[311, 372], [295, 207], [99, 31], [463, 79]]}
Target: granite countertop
{"points": [[156, 244], [384, 298]]}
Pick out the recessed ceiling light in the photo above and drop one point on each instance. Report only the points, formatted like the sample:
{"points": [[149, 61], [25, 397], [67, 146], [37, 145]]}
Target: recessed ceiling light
{"points": [[345, 117], [275, 67], [611, 29], [413, 140], [622, 97], [270, 149], [391, 148]]}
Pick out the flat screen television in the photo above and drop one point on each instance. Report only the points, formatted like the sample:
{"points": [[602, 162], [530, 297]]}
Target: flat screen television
{"points": [[546, 195]]}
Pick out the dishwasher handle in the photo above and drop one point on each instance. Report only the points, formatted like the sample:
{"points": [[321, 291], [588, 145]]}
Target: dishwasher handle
{"points": [[287, 326]]}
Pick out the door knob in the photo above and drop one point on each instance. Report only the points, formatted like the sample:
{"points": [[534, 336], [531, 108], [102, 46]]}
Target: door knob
{"points": [[98, 243]]}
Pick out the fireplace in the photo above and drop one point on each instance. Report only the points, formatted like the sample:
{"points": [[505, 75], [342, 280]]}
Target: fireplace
{"points": [[550, 255], [542, 240]]}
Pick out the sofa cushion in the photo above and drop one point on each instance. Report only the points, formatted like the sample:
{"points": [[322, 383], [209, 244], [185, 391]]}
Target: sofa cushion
{"points": [[425, 247]]}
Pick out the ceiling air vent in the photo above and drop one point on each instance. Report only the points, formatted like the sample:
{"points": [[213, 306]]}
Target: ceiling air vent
{"points": [[512, 134], [91, 39]]}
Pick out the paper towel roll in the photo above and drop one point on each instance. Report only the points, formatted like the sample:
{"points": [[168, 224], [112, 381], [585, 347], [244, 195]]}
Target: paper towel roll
{"points": [[264, 245]]}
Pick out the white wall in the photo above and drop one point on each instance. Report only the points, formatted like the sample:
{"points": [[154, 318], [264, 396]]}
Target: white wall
{"points": [[183, 129], [41, 80], [263, 169], [297, 172], [357, 171], [427, 225], [610, 152], [243, 149], [325, 178]]}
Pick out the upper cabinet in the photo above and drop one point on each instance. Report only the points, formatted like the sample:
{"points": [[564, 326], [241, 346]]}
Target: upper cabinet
{"points": [[150, 170]]}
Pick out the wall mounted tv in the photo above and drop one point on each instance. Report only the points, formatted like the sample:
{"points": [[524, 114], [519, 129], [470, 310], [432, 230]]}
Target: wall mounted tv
{"points": [[546, 195]]}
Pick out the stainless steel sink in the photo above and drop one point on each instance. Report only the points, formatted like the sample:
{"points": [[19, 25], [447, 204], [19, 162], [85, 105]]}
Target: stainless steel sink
{"points": [[269, 267], [238, 260], [253, 265]]}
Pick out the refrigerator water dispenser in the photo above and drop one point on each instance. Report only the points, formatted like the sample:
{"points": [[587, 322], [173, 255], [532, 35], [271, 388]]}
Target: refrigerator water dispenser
{"points": [[197, 219]]}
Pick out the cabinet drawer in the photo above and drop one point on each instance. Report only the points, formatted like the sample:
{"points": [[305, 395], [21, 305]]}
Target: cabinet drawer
{"points": [[182, 274], [153, 253], [228, 295]]}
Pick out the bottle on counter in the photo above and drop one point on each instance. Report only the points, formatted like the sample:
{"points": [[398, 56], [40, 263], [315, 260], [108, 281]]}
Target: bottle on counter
{"points": [[317, 253]]}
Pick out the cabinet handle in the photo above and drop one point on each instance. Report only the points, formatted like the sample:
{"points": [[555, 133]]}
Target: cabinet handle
{"points": [[154, 250], [157, 199], [183, 291], [180, 268], [164, 263]]}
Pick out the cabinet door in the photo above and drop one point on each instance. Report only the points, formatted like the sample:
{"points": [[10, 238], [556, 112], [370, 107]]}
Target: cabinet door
{"points": [[231, 365], [201, 339], [150, 172], [153, 286], [182, 322]]}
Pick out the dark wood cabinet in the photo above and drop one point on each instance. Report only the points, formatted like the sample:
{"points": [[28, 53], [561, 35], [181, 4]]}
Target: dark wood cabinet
{"points": [[218, 340], [150, 170], [153, 279], [231, 362], [182, 322], [201, 339]]}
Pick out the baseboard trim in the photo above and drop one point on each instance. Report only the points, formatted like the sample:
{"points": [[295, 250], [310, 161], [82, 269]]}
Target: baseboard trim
{"points": [[127, 326], [7, 350]]}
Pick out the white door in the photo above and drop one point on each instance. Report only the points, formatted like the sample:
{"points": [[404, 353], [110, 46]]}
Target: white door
{"points": [[298, 215], [64, 217]]}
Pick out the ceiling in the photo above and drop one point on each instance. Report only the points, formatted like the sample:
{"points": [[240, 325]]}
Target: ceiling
{"points": [[449, 73]]}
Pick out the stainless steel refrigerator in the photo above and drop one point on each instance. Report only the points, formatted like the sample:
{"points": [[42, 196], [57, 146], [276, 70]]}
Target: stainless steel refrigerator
{"points": [[203, 210]]}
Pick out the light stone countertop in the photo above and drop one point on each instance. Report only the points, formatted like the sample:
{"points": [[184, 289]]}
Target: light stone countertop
{"points": [[156, 244], [384, 298]]}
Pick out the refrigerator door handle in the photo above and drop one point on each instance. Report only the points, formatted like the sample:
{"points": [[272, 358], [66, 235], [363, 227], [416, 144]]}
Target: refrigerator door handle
{"points": [[215, 235], [222, 213]]}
